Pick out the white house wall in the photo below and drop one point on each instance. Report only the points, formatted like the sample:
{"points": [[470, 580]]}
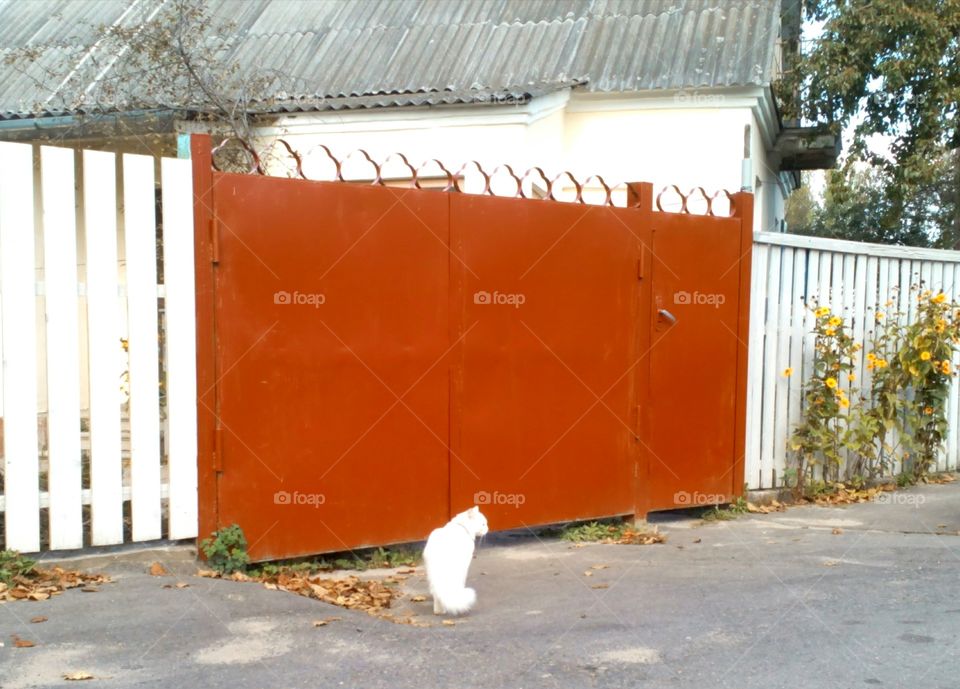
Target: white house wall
{"points": [[690, 140]]}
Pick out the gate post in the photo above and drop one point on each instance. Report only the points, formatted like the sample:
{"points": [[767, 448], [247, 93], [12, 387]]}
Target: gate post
{"points": [[742, 207], [640, 198], [203, 225]]}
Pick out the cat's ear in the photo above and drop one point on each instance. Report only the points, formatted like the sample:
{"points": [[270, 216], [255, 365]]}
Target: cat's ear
{"points": [[475, 510]]}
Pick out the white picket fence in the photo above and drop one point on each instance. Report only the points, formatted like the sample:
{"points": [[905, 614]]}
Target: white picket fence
{"points": [[791, 272], [97, 450]]}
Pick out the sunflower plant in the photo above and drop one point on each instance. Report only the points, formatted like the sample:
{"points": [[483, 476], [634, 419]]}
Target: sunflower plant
{"points": [[878, 418], [824, 435], [925, 368]]}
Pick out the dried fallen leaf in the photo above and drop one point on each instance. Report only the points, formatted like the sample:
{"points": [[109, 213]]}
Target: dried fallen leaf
{"points": [[448, 623], [837, 531], [90, 589], [38, 619], [418, 599], [158, 570], [77, 676], [588, 573], [325, 621], [697, 540], [831, 563], [409, 570], [208, 573], [39, 595], [600, 567], [600, 586], [182, 585], [21, 643]]}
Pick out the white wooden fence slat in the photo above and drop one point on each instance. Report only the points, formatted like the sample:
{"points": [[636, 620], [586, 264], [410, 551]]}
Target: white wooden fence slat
{"points": [[874, 267], [139, 231], [17, 290], [758, 306], [181, 379], [767, 418], [952, 288], [63, 339], [784, 311], [798, 319], [105, 351], [859, 315]]}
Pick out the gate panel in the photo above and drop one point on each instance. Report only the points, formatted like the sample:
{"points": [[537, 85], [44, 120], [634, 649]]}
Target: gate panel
{"points": [[543, 407], [695, 347], [333, 384]]}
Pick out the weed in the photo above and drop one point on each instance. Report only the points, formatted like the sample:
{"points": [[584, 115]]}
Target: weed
{"points": [[374, 558], [13, 565], [226, 550], [593, 531]]}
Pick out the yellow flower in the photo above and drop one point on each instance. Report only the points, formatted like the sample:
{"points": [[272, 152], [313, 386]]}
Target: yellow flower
{"points": [[851, 377], [831, 383], [913, 370], [870, 366], [889, 303], [844, 402], [835, 322], [941, 325], [829, 331], [928, 410], [787, 372], [939, 299], [879, 315], [925, 356], [945, 367], [882, 363], [821, 312], [871, 356], [857, 347], [926, 293]]}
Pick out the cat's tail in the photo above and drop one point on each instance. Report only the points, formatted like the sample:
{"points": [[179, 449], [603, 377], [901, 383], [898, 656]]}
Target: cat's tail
{"points": [[456, 601]]}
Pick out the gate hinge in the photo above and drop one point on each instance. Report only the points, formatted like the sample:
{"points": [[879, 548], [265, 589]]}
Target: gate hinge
{"points": [[214, 242], [218, 449]]}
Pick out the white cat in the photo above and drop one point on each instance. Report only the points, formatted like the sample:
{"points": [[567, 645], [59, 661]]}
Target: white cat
{"points": [[447, 558]]}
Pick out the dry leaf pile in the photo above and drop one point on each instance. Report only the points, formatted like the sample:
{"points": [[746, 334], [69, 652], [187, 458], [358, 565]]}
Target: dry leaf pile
{"points": [[635, 537], [844, 495], [773, 506], [371, 596], [940, 478], [41, 584]]}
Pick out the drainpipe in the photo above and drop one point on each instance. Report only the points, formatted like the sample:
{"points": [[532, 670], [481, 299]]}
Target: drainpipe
{"points": [[746, 165]]}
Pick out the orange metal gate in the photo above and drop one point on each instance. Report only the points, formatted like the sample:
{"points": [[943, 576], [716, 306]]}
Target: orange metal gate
{"points": [[372, 360]]}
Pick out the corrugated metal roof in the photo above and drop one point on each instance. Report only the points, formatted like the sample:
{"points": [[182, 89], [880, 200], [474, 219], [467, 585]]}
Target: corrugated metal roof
{"points": [[375, 53]]}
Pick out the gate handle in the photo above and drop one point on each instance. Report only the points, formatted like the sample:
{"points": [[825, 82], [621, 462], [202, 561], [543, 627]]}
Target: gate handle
{"points": [[667, 316]]}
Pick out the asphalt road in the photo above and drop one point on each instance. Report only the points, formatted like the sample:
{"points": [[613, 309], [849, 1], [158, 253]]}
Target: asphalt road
{"points": [[764, 601]]}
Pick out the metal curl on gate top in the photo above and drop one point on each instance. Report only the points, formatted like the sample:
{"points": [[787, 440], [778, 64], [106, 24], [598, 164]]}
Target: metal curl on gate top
{"points": [[255, 166], [552, 187], [685, 199]]}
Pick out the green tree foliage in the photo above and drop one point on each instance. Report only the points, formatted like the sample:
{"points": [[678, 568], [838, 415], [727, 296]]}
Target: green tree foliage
{"points": [[889, 68]]}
